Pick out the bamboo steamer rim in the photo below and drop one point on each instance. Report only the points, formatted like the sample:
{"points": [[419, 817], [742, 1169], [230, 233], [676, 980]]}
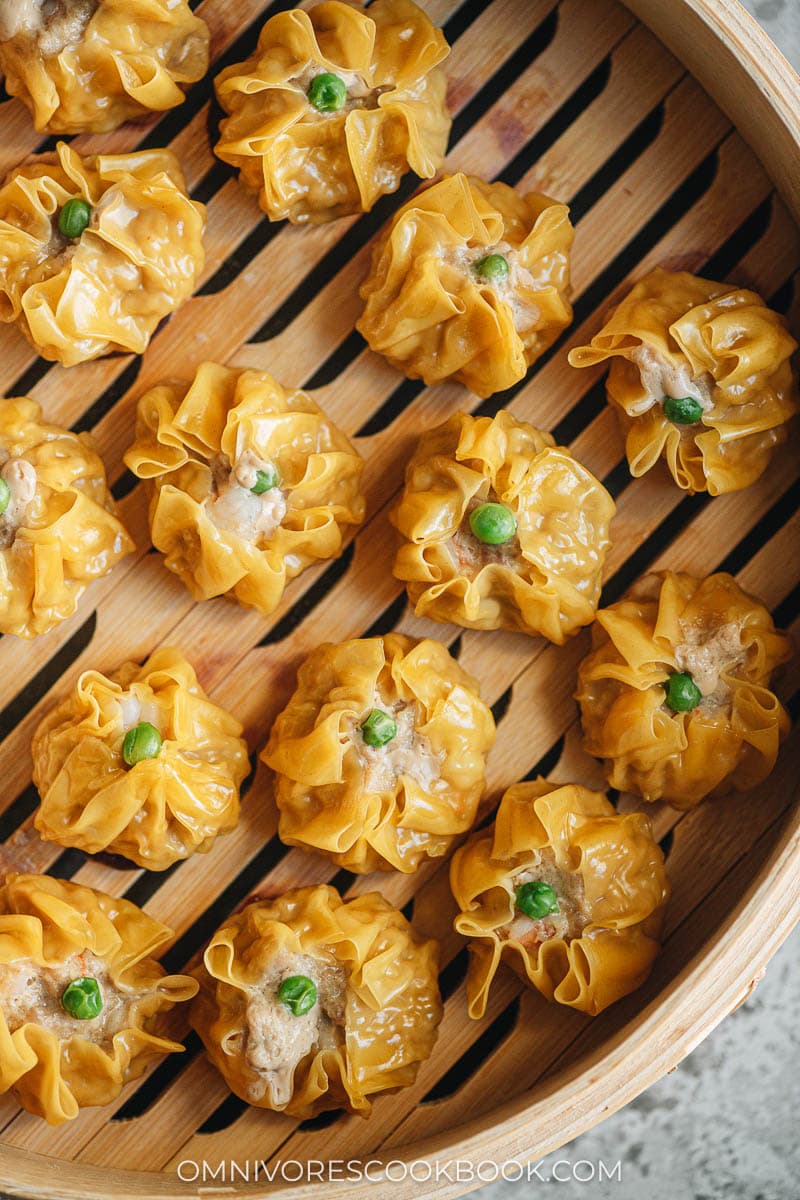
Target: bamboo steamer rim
{"points": [[749, 79]]}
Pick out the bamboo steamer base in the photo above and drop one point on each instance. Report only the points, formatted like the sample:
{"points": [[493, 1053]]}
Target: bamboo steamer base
{"points": [[579, 100]]}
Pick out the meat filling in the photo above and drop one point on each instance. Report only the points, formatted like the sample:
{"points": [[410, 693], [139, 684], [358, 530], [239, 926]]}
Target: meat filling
{"points": [[359, 93], [571, 918], [235, 507], [409, 752], [135, 708], [276, 1041], [707, 654], [53, 24], [471, 555], [510, 289], [20, 476], [31, 994], [661, 379]]}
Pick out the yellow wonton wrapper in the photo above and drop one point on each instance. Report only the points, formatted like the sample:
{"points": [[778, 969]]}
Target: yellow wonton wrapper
{"points": [[314, 166], [182, 429], [427, 311], [720, 345], [66, 535], [548, 582], [392, 1004], [731, 739], [161, 809], [315, 744], [90, 66], [625, 890], [138, 259], [48, 921]]}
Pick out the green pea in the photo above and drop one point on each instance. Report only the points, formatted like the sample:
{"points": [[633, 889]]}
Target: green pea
{"points": [[536, 900], [683, 694], [683, 410], [378, 729], [5, 496], [298, 993], [143, 741], [82, 999], [266, 479], [327, 92], [493, 268], [73, 218], [493, 524]]}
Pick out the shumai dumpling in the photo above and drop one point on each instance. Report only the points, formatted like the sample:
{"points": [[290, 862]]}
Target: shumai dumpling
{"points": [[501, 529], [675, 694], [380, 754], [334, 106], [96, 251], [139, 763], [568, 891], [700, 376], [85, 66], [58, 523], [252, 483], [470, 282], [308, 1002], [81, 998]]}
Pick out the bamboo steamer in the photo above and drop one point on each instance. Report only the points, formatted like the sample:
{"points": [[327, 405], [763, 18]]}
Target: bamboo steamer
{"points": [[579, 99]]}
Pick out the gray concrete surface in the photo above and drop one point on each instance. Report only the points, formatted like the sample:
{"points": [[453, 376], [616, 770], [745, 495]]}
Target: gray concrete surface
{"points": [[725, 1125]]}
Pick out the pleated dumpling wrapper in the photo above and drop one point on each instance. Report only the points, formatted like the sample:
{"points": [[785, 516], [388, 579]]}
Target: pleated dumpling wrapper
{"points": [[334, 106], [96, 251], [700, 376], [380, 755], [569, 892], [501, 529], [85, 66], [675, 696], [139, 763], [308, 1002], [58, 524], [470, 282], [82, 1001], [252, 483]]}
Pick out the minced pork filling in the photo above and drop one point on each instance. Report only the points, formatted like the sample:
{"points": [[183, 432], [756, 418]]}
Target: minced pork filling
{"points": [[31, 994], [276, 1041], [409, 752], [706, 653], [471, 555], [235, 507], [54, 24], [662, 378], [571, 918], [525, 312], [20, 476]]}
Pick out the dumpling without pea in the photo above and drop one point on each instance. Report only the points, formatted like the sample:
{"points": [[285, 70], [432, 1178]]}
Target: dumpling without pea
{"points": [[58, 524], [85, 66], [81, 998], [568, 891], [380, 755], [252, 483], [139, 763], [308, 1002]]}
